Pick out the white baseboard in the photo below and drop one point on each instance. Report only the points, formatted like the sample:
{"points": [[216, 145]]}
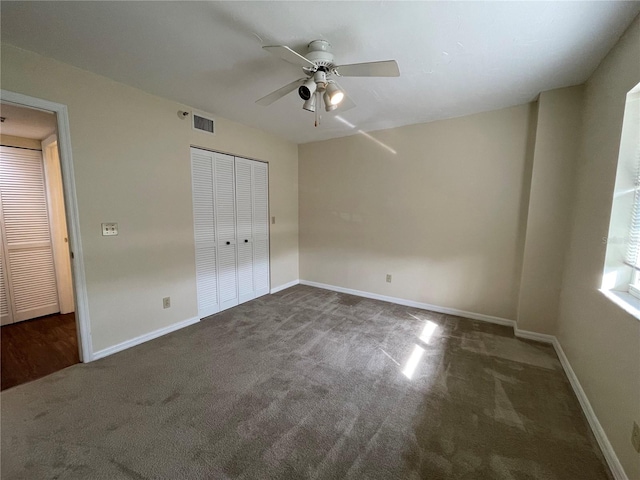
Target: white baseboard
{"points": [[411, 303], [598, 431], [539, 337], [144, 338], [285, 286], [607, 449]]}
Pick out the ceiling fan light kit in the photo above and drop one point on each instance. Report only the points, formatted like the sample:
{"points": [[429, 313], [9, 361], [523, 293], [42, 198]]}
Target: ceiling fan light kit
{"points": [[319, 68], [307, 89], [329, 108], [332, 94], [310, 104]]}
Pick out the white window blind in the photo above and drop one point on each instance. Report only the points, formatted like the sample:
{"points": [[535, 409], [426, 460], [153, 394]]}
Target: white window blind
{"points": [[633, 247]]}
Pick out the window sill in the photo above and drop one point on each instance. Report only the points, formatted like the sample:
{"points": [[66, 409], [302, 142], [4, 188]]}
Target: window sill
{"points": [[624, 300]]}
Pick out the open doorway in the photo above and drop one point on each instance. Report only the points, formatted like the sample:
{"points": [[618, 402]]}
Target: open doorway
{"points": [[37, 307]]}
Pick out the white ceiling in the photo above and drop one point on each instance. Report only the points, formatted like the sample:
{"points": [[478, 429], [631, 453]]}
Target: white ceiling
{"points": [[26, 122], [455, 58]]}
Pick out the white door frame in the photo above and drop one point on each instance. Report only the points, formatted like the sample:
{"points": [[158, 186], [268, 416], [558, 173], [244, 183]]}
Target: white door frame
{"points": [[71, 208]]}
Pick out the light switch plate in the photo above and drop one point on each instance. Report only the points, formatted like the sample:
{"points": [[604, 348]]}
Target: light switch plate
{"points": [[109, 229], [273, 220]]}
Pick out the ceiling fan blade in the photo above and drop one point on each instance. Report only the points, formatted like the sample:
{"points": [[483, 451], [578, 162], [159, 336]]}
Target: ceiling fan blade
{"points": [[387, 68], [289, 55], [346, 104], [281, 92]]}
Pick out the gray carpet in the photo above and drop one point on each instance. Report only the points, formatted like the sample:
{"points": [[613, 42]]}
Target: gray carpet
{"points": [[307, 383]]}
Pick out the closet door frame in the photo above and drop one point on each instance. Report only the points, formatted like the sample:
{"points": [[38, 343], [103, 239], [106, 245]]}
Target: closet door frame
{"points": [[83, 321]]}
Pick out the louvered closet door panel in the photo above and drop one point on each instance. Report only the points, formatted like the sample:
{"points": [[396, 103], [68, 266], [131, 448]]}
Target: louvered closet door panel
{"points": [[225, 215], [260, 228], [33, 280], [244, 199], [244, 209], [27, 234], [202, 170], [5, 316]]}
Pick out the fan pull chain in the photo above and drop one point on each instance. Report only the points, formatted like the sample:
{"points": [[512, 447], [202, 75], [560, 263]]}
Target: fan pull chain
{"points": [[318, 99]]}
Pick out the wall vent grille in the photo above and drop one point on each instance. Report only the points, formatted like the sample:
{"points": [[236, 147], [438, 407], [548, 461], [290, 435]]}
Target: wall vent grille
{"points": [[203, 123]]}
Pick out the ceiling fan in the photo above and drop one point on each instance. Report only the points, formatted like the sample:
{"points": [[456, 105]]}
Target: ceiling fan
{"points": [[319, 84]]}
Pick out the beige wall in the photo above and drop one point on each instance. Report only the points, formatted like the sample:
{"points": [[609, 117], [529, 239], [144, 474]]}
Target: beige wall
{"points": [[132, 166], [12, 141], [444, 214], [602, 341], [557, 142]]}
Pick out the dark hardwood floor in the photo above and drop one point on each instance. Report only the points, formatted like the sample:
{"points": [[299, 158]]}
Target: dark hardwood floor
{"points": [[36, 348]]}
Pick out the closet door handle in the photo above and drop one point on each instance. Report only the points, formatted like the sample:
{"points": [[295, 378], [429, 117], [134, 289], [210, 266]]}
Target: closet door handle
{"points": [[228, 243], [246, 241]]}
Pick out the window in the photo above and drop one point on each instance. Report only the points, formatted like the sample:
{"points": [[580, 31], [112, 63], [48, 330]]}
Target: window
{"points": [[622, 266], [633, 245]]}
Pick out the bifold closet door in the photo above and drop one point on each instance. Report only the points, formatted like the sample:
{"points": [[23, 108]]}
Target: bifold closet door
{"points": [[231, 217], [225, 216], [29, 287], [5, 311], [215, 231], [244, 208], [260, 176], [252, 205], [202, 174]]}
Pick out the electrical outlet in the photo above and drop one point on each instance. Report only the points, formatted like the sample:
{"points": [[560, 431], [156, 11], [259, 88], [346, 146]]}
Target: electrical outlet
{"points": [[273, 220], [388, 278], [166, 302], [635, 437], [109, 229]]}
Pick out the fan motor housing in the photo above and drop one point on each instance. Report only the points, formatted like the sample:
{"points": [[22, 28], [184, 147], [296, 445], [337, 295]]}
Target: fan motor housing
{"points": [[320, 54]]}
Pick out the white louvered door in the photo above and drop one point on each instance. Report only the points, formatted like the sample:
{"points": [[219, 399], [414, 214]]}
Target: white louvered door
{"points": [[27, 260], [231, 219], [244, 207], [202, 173], [225, 216], [6, 316], [260, 228]]}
